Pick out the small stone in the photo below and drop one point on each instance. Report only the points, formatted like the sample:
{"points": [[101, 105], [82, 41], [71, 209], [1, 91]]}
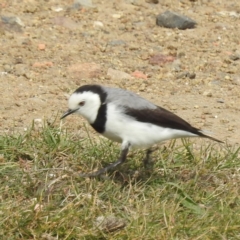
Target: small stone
{"points": [[38, 122], [85, 3], [98, 24], [161, 59], [7, 68], [30, 8], [152, 1], [41, 46], [176, 65], [65, 22], [232, 69], [85, 70], [207, 93], [42, 64], [206, 112], [12, 24], [116, 42], [170, 19], [117, 16], [116, 74], [191, 75], [139, 74], [57, 9], [234, 56], [181, 75], [20, 69], [109, 223]]}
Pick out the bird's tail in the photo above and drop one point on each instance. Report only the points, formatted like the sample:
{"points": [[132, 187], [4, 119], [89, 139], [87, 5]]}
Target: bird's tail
{"points": [[202, 134]]}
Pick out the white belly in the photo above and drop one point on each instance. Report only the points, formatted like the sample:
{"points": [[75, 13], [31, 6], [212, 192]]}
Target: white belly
{"points": [[120, 128]]}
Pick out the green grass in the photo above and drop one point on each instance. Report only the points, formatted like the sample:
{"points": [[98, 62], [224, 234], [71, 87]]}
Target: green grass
{"points": [[191, 192]]}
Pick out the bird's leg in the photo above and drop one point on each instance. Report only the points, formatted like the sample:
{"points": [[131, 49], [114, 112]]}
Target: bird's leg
{"points": [[122, 158], [147, 159]]}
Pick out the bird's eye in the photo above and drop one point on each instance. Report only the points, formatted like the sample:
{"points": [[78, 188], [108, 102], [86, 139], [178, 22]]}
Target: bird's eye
{"points": [[81, 103]]}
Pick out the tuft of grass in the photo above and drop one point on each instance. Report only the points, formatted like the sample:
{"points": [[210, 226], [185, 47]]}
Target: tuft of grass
{"points": [[191, 192]]}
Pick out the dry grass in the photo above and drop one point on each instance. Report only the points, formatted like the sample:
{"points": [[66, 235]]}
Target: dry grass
{"points": [[190, 193]]}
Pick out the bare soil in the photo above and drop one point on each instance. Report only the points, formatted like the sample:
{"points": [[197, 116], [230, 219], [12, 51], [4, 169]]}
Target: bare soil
{"points": [[58, 47]]}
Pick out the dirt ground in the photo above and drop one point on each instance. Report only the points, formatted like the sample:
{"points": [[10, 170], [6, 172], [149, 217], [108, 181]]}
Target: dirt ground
{"points": [[54, 46]]}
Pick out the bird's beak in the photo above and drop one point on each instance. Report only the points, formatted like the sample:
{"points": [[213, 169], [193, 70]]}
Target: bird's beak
{"points": [[68, 112]]}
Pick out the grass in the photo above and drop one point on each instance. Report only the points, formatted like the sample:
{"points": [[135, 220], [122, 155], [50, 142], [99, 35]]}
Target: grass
{"points": [[191, 192]]}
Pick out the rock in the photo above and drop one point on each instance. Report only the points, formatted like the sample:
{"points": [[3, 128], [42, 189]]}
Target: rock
{"points": [[65, 22], [84, 3], [181, 75], [191, 75], [20, 69], [170, 19], [207, 93], [85, 70], [160, 59], [139, 74], [98, 24], [116, 42], [176, 65], [109, 223], [116, 74], [38, 122], [235, 56], [57, 8], [117, 16], [42, 64], [152, 1], [31, 8], [13, 24], [41, 46]]}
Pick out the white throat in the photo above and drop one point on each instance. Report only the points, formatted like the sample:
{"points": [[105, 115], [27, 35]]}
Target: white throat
{"points": [[90, 109]]}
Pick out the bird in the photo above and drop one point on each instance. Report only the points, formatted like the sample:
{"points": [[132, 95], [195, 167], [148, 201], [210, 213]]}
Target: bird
{"points": [[125, 117]]}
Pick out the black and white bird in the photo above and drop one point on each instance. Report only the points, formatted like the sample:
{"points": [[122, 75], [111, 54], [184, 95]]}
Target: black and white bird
{"points": [[125, 117]]}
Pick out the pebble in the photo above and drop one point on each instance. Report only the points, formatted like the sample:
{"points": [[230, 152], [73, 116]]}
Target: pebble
{"points": [[235, 56], [57, 9], [139, 74], [20, 69], [65, 22], [116, 74], [109, 223], [41, 46], [190, 75], [207, 93], [38, 122], [171, 19], [117, 16], [42, 64], [116, 42], [14, 24], [30, 8], [7, 68], [85, 3], [98, 24], [152, 1], [85, 70], [160, 59]]}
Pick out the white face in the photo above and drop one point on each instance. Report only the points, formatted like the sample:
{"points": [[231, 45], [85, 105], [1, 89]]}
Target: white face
{"points": [[85, 104]]}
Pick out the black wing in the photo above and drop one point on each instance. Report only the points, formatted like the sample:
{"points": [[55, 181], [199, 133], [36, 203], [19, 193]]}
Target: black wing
{"points": [[164, 118]]}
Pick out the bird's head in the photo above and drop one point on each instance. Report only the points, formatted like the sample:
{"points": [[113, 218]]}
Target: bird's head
{"points": [[84, 103]]}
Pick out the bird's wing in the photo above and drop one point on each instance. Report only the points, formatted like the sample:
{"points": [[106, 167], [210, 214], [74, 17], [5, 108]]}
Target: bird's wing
{"points": [[164, 118], [125, 98]]}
